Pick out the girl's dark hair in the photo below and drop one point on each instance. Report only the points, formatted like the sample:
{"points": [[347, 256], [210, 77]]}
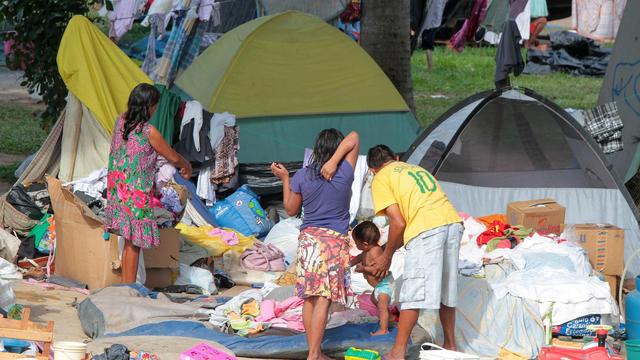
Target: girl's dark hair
{"points": [[326, 145], [142, 97], [366, 232]]}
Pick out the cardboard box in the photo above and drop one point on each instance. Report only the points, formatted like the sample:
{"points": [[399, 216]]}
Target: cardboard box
{"points": [[544, 216], [83, 255], [614, 285], [605, 245]]}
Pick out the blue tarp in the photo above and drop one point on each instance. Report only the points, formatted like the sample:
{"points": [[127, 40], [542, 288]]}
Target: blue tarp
{"points": [[336, 341], [195, 200], [138, 50]]}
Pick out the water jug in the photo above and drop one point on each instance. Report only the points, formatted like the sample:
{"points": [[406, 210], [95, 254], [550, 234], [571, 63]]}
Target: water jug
{"points": [[632, 313]]}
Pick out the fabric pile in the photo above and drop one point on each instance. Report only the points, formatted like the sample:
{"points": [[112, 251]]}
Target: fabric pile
{"points": [[544, 267], [570, 53]]}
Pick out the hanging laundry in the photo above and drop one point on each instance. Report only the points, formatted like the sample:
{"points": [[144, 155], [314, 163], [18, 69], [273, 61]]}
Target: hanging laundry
{"points": [[193, 112], [206, 9], [604, 123], [183, 45], [509, 56], [470, 25], [157, 26], [226, 157], [159, 7], [218, 122], [124, 12], [186, 146], [164, 118], [205, 189]]}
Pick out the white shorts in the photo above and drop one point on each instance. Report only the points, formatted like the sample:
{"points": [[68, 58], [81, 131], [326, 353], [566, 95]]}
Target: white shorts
{"points": [[431, 269]]}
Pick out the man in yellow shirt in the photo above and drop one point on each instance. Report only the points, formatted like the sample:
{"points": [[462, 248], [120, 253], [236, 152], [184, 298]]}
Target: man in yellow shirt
{"points": [[423, 220]]}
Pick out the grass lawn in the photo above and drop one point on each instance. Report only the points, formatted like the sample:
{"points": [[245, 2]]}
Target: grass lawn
{"points": [[459, 75], [20, 134]]}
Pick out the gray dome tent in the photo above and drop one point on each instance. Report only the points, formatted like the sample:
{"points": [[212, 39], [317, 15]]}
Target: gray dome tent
{"points": [[509, 145]]}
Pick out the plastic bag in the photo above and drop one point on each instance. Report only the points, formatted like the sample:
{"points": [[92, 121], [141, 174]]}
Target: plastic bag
{"points": [[7, 296], [284, 236], [191, 275], [366, 210], [22, 202], [241, 211], [214, 244]]}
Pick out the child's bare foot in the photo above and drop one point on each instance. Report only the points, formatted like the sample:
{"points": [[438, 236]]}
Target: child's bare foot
{"points": [[380, 332]]}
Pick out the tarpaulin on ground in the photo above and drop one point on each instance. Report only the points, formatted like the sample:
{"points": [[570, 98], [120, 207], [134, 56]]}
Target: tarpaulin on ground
{"points": [[96, 71], [335, 342], [570, 53]]}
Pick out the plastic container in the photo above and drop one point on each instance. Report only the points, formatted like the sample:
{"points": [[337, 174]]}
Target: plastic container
{"points": [[15, 346], [633, 349], [361, 354], [204, 351], [632, 313], [69, 350]]}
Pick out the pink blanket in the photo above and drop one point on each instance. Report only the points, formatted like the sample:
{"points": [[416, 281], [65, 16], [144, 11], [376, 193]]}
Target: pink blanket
{"points": [[286, 314]]}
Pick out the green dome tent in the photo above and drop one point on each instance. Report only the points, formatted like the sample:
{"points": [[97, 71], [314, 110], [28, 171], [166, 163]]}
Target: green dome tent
{"points": [[289, 75]]}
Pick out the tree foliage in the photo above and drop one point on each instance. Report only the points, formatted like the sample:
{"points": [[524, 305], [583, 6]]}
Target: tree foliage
{"points": [[39, 26]]}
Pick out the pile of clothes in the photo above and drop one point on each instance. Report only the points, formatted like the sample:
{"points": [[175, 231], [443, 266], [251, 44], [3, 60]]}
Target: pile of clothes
{"points": [[273, 310], [570, 53]]}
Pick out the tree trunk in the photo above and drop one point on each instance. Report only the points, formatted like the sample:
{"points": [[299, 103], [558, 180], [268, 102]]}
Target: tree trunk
{"points": [[386, 37]]}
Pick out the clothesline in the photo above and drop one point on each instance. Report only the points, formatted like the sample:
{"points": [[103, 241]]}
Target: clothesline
{"points": [[195, 8]]}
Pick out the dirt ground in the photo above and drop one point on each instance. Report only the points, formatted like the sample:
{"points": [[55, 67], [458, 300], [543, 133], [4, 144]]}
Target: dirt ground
{"points": [[58, 305]]}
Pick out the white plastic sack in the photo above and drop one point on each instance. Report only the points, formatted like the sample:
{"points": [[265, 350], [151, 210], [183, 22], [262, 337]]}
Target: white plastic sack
{"points": [[7, 296], [9, 245], [359, 174], [284, 236], [366, 208], [9, 271], [191, 275]]}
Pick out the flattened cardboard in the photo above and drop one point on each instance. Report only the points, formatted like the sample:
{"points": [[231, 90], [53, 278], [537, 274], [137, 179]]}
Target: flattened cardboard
{"points": [[544, 216], [83, 255], [605, 245]]}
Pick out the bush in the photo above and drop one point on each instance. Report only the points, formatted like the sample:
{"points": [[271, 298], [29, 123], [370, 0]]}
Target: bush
{"points": [[39, 26]]}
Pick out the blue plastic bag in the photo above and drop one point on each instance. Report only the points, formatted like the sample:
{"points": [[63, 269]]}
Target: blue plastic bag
{"points": [[242, 212]]}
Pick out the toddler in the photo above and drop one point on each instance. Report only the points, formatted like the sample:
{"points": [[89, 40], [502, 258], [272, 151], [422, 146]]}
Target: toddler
{"points": [[366, 236]]}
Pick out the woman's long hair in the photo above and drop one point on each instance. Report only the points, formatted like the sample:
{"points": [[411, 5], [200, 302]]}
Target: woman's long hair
{"points": [[142, 98], [326, 145]]}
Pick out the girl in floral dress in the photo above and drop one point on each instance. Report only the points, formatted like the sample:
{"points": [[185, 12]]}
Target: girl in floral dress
{"points": [[131, 195]]}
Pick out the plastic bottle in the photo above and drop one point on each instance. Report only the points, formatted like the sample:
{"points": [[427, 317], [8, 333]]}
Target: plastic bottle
{"points": [[632, 313]]}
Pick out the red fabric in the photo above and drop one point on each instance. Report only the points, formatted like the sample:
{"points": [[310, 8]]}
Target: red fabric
{"points": [[468, 29], [180, 113], [494, 230]]}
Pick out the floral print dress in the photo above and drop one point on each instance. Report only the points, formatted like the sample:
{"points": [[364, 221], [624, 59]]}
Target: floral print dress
{"points": [[130, 187]]}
